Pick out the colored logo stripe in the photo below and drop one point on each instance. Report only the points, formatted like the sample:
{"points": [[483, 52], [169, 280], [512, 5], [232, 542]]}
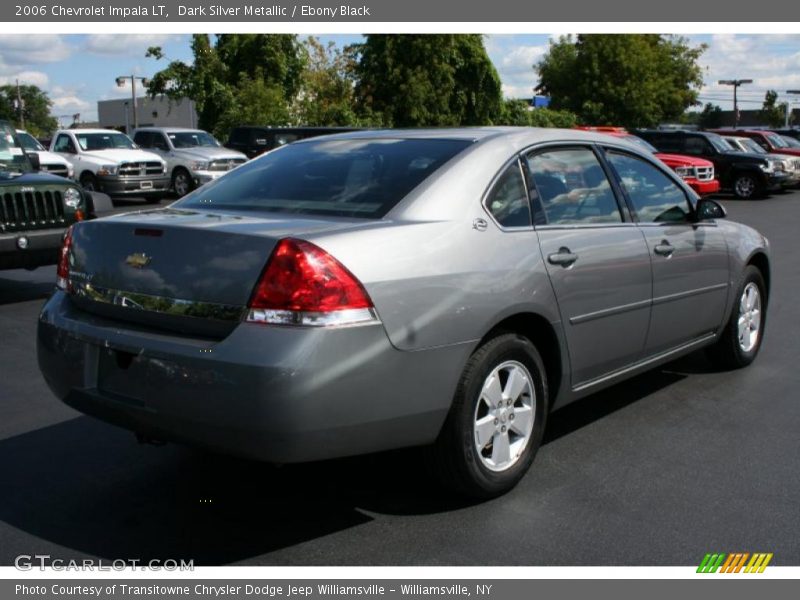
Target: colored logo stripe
{"points": [[735, 562]]}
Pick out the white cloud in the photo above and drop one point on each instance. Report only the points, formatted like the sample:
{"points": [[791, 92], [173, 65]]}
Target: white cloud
{"points": [[103, 43], [522, 59], [36, 78], [69, 104], [33, 49]]}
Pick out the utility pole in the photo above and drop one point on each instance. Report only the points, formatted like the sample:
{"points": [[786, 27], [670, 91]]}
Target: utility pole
{"points": [[132, 78], [735, 83], [793, 92], [20, 107]]}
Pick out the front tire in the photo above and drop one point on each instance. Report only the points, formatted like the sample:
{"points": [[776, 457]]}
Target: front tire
{"points": [[747, 186], [182, 182], [740, 341], [496, 423]]}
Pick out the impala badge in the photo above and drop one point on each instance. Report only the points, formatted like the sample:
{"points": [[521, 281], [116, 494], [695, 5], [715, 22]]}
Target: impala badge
{"points": [[139, 260]]}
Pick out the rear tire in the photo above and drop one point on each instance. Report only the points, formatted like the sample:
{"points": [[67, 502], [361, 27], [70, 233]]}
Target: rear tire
{"points": [[740, 340], [496, 422]]}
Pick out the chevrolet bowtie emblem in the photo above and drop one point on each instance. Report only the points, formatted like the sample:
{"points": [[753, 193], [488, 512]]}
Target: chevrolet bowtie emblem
{"points": [[138, 260]]}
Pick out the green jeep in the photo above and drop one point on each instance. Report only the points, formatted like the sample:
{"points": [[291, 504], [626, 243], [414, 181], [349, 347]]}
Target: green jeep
{"points": [[35, 208]]}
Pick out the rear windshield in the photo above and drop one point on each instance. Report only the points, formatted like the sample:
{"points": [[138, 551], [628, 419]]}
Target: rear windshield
{"points": [[348, 178]]}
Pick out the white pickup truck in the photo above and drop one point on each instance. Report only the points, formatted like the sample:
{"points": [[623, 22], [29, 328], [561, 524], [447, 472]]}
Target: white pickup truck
{"points": [[108, 161], [48, 162]]}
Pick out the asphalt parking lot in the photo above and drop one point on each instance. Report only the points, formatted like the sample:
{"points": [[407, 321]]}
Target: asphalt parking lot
{"points": [[658, 470]]}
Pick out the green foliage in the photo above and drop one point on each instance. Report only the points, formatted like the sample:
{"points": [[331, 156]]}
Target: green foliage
{"points": [[427, 80], [36, 109], [518, 113], [772, 113], [631, 80], [711, 117], [236, 67], [253, 102]]}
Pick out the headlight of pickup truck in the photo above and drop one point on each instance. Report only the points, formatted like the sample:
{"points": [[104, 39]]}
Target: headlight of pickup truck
{"points": [[72, 197], [199, 165], [685, 172], [107, 170]]}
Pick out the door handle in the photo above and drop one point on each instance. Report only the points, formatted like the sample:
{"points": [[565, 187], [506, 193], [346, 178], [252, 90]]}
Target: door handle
{"points": [[664, 249], [563, 257]]}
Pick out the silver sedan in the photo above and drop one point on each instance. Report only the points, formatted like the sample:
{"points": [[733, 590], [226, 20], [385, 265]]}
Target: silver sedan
{"points": [[385, 289]]}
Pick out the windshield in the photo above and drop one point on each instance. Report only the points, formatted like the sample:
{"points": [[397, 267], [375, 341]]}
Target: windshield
{"points": [[346, 178], [104, 141], [752, 146], [641, 143], [719, 144], [776, 140], [30, 143], [13, 159], [192, 139], [790, 141]]}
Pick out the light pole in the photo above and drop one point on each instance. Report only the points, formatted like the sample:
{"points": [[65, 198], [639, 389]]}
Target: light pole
{"points": [[735, 83], [132, 78], [794, 92]]}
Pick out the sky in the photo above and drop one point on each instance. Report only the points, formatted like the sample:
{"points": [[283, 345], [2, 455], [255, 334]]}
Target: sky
{"points": [[78, 70]]}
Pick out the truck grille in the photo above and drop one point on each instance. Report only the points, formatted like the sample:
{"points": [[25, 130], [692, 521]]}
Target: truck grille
{"points": [[60, 170], [140, 169], [704, 173], [225, 164], [31, 210]]}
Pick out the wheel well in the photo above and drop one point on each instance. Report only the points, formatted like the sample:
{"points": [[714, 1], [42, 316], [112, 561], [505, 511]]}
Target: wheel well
{"points": [[542, 335], [86, 172], [761, 262], [179, 168]]}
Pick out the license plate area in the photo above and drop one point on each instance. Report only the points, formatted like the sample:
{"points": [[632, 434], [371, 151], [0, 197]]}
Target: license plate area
{"points": [[145, 185], [124, 374]]}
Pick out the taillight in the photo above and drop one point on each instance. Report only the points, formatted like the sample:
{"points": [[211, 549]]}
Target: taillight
{"points": [[304, 285], [62, 272]]}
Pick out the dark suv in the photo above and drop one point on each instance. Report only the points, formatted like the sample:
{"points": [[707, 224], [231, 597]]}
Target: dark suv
{"points": [[35, 208], [746, 175], [253, 140]]}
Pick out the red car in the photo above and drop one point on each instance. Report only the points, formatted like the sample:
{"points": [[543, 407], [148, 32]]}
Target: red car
{"points": [[768, 140], [698, 173]]}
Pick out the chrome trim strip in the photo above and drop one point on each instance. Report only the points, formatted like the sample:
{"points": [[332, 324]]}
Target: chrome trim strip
{"points": [[157, 304], [643, 363], [687, 294], [607, 312]]}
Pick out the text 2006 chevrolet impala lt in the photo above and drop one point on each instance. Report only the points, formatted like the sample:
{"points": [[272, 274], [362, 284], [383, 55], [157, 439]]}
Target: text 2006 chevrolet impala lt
{"points": [[382, 289]]}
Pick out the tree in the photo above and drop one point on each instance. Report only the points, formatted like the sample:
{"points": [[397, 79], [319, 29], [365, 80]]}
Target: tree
{"points": [[427, 80], [236, 66], [327, 90], [631, 80], [36, 108], [711, 117], [253, 101], [772, 113], [518, 112]]}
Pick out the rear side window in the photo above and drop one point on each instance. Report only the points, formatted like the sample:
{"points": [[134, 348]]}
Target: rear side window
{"points": [[655, 197], [572, 188], [354, 178], [508, 199], [143, 139]]}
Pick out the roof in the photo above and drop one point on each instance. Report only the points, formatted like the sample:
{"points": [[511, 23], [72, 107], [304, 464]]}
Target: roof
{"points": [[164, 128], [80, 130]]}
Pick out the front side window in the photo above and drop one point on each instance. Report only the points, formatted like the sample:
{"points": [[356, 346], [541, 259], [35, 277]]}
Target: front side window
{"points": [[698, 146], [64, 144], [508, 199], [572, 188], [655, 197], [348, 178]]}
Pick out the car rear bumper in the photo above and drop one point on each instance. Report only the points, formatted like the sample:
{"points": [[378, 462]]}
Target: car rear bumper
{"points": [[704, 188], [41, 248], [133, 186], [280, 394]]}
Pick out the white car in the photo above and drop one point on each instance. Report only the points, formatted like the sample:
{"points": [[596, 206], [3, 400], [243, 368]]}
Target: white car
{"points": [[194, 157], [49, 162], [108, 161]]}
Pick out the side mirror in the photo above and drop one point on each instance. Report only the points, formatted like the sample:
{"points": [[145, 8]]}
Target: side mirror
{"points": [[35, 162], [708, 209]]}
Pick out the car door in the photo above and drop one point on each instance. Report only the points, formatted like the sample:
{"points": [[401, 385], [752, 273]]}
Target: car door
{"points": [[596, 258], [65, 148], [689, 258]]}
